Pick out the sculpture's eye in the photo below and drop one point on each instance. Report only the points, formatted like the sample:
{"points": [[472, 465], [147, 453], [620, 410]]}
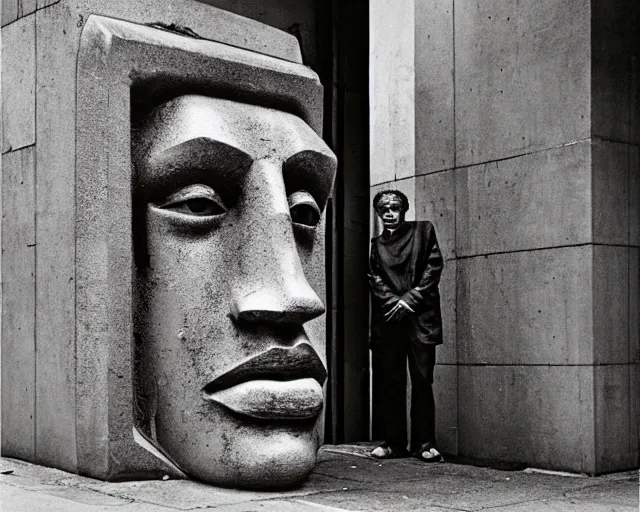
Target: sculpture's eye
{"points": [[304, 209], [196, 200]]}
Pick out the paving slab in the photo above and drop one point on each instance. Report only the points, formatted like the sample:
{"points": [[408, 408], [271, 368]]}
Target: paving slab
{"points": [[345, 479]]}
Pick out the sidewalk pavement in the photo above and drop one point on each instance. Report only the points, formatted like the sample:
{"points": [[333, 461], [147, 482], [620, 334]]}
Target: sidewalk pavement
{"points": [[344, 479]]}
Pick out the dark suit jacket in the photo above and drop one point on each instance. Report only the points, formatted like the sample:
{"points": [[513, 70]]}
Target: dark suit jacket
{"points": [[406, 264]]}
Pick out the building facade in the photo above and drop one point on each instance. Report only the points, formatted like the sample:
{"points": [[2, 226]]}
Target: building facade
{"points": [[513, 127]]}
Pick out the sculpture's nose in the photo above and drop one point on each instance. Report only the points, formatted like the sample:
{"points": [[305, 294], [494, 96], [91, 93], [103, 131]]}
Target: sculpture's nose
{"points": [[272, 286]]}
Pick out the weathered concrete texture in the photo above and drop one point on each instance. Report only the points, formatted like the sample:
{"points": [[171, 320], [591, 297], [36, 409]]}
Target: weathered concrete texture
{"points": [[15, 9], [541, 415], [445, 391], [634, 302], [634, 194], [435, 200], [532, 307], [55, 272], [611, 307], [18, 304], [19, 84], [448, 351], [345, 479], [392, 90], [434, 91], [614, 73], [612, 182], [522, 77], [293, 16], [613, 421], [634, 412], [533, 201]]}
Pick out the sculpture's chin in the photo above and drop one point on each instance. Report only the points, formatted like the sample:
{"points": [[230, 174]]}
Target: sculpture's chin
{"points": [[260, 469], [251, 458]]}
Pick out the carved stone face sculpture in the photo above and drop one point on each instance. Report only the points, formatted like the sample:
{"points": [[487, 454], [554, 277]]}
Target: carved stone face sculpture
{"points": [[229, 201]]}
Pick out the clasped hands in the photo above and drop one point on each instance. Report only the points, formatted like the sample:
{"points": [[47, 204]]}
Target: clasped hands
{"points": [[398, 311]]}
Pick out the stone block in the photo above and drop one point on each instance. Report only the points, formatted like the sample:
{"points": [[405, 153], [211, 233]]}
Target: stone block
{"points": [[445, 391], [611, 315], [634, 195], [614, 50], [436, 201], [55, 257], [634, 412], [448, 351], [18, 304], [407, 187], [533, 201], [104, 253], [634, 305], [532, 307], [541, 416], [46, 3], [18, 84], [392, 97], [434, 146], [522, 77], [610, 192], [292, 16], [612, 418]]}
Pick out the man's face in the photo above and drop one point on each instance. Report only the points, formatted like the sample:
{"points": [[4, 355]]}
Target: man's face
{"points": [[231, 331], [389, 209]]}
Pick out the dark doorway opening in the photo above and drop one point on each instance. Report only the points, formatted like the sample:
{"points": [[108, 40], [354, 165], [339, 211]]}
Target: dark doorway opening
{"points": [[343, 66]]}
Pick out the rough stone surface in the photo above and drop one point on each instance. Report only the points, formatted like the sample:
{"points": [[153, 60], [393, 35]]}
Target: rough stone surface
{"points": [[14, 9], [392, 91], [445, 391], [434, 91], [611, 306], [55, 254], [435, 200], [532, 307], [19, 84], [634, 195], [612, 418], [533, 201], [611, 192], [634, 305], [344, 479], [543, 415], [294, 16], [18, 304], [246, 255], [448, 351], [614, 71], [522, 77]]}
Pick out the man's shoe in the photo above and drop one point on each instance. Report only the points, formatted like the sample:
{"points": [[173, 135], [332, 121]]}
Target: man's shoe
{"points": [[386, 452], [428, 453]]}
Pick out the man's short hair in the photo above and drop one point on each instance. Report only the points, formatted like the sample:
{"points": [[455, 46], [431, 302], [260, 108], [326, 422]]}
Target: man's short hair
{"points": [[403, 199]]}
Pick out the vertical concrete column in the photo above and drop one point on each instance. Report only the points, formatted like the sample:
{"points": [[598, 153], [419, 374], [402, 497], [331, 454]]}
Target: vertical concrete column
{"points": [[392, 90]]}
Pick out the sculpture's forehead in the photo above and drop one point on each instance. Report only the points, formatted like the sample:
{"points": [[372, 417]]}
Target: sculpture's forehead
{"points": [[257, 131]]}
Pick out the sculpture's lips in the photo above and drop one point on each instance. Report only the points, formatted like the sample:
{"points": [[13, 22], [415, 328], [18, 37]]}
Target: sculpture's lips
{"points": [[279, 383], [272, 399], [278, 363]]}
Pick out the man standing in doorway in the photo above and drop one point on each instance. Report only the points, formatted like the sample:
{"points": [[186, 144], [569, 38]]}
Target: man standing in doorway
{"points": [[405, 268]]}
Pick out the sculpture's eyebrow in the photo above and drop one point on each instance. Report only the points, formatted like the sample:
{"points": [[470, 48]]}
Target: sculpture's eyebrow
{"points": [[310, 170], [194, 160]]}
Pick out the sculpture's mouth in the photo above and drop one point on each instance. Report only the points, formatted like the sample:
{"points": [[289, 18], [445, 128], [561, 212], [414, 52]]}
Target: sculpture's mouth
{"points": [[281, 383]]}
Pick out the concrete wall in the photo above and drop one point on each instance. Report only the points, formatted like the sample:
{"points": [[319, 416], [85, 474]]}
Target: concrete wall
{"points": [[526, 160]]}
